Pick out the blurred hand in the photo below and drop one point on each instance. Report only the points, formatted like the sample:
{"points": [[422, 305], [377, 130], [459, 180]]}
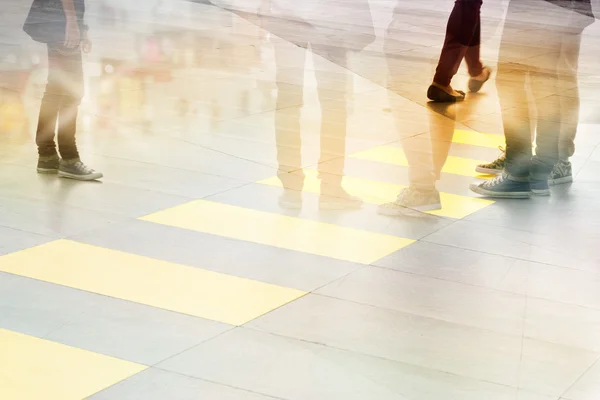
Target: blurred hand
{"points": [[72, 34], [86, 44]]}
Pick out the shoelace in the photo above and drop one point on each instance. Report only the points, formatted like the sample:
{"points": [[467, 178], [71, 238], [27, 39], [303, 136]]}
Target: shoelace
{"points": [[83, 168], [402, 195], [503, 155], [495, 181]]}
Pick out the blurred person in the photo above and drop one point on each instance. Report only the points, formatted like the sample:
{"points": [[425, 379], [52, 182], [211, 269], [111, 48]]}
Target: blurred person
{"points": [[568, 65], [555, 27], [463, 41], [426, 153], [60, 25], [331, 31]]}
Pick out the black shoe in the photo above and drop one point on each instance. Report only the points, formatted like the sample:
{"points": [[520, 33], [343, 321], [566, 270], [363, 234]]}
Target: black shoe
{"points": [[48, 165], [438, 95]]}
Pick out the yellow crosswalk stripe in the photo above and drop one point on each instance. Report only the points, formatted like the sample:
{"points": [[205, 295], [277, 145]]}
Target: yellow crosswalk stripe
{"points": [[35, 369], [143, 280], [375, 192], [478, 139], [281, 231], [395, 156]]}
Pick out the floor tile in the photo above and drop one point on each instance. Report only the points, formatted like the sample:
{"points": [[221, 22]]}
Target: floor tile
{"points": [[425, 342], [302, 370], [551, 369], [565, 324], [587, 387], [508, 242], [143, 280], [31, 372], [396, 156], [280, 231], [460, 265], [156, 384], [258, 262], [429, 297], [484, 355], [101, 324], [478, 139], [51, 219], [15, 239], [565, 285]]}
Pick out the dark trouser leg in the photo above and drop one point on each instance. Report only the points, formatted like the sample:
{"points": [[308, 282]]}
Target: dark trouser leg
{"points": [[60, 104], [67, 128], [473, 59], [46, 128], [516, 120], [463, 31], [548, 126], [568, 81]]}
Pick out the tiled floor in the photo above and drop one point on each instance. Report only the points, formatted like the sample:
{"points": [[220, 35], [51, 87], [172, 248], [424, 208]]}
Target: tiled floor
{"points": [[217, 259]]}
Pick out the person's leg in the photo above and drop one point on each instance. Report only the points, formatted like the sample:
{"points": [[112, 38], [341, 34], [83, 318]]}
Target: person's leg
{"points": [[567, 81], [48, 117], [473, 58], [516, 121], [287, 125], [333, 97], [514, 181], [462, 33], [548, 127], [478, 73], [68, 78], [421, 194], [65, 85]]}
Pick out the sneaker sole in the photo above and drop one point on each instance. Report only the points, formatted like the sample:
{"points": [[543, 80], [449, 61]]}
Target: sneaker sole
{"points": [[47, 171], [395, 212], [488, 171], [500, 195], [92, 177], [560, 181], [437, 95], [543, 192]]}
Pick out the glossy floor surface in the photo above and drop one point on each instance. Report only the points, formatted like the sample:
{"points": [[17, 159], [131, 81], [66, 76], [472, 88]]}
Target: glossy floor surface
{"points": [[223, 256]]}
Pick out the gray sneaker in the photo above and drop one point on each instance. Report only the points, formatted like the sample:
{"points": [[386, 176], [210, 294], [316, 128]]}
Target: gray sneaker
{"points": [[78, 171], [495, 167], [48, 165], [561, 173], [412, 199]]}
